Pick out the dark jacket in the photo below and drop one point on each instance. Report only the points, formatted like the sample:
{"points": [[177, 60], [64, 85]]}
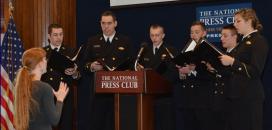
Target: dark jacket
{"points": [[161, 61], [53, 76], [246, 71]]}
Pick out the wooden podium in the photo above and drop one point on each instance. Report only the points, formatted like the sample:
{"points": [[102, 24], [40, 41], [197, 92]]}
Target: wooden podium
{"points": [[144, 84]]}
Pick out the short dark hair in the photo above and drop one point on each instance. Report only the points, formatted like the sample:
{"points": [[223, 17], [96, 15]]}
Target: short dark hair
{"points": [[53, 25], [231, 28], [109, 13], [154, 26], [200, 24]]}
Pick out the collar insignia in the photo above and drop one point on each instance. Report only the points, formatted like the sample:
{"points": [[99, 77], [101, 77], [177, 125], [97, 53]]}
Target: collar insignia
{"points": [[146, 59], [121, 48], [96, 46]]}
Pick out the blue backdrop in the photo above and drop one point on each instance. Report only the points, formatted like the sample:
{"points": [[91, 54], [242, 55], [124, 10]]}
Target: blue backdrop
{"points": [[176, 18]]}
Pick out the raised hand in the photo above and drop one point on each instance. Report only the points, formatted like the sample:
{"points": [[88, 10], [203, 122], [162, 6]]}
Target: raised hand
{"points": [[62, 92]]}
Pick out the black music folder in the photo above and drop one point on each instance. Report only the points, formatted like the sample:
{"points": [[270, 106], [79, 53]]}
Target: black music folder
{"points": [[59, 61], [125, 65], [187, 54], [185, 58], [208, 52], [204, 51]]}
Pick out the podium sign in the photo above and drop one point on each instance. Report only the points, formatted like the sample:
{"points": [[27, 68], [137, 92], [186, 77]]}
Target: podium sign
{"points": [[119, 81], [145, 85]]}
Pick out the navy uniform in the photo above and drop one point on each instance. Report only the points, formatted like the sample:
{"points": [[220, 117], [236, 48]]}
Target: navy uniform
{"points": [[245, 92], [53, 77], [218, 102], [161, 62], [98, 113], [195, 97]]}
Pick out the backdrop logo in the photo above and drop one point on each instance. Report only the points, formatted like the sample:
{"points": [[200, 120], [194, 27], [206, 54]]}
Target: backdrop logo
{"points": [[215, 17]]}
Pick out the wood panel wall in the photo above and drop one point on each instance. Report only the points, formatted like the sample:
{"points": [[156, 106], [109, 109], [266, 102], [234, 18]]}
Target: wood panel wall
{"points": [[32, 17], [4, 15]]}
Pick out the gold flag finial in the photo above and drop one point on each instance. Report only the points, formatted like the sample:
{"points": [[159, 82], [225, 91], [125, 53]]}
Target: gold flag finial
{"points": [[11, 8]]}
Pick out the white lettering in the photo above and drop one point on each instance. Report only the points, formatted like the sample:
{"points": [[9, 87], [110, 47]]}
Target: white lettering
{"points": [[230, 20], [129, 85], [109, 84]]}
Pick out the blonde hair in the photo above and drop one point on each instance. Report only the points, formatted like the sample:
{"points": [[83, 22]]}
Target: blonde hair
{"points": [[250, 14], [24, 102]]}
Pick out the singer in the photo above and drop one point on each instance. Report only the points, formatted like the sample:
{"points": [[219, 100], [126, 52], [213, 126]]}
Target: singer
{"points": [[54, 76], [196, 87], [112, 48], [157, 56], [245, 92]]}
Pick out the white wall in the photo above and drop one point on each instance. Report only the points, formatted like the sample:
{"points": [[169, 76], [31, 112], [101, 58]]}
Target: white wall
{"points": [[132, 2]]}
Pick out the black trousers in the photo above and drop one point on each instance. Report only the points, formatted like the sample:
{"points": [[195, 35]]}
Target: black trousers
{"points": [[218, 112], [197, 118], [218, 119], [244, 114], [85, 96], [102, 112], [66, 119], [164, 113]]}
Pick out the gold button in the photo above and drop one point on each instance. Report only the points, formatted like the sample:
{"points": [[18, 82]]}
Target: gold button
{"points": [[113, 58], [61, 78], [51, 78], [51, 69], [103, 59], [239, 68], [248, 42]]}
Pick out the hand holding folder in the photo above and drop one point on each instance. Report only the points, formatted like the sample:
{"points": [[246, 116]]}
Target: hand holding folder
{"points": [[187, 54], [125, 65], [204, 51], [209, 53], [59, 61]]}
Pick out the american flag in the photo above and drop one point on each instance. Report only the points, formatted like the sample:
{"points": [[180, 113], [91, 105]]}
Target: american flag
{"points": [[11, 54]]}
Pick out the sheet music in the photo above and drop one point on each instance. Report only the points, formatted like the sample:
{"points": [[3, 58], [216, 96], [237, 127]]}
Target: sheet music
{"points": [[191, 47]]}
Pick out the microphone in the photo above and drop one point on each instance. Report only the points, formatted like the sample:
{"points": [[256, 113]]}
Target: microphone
{"points": [[168, 51], [143, 45]]}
